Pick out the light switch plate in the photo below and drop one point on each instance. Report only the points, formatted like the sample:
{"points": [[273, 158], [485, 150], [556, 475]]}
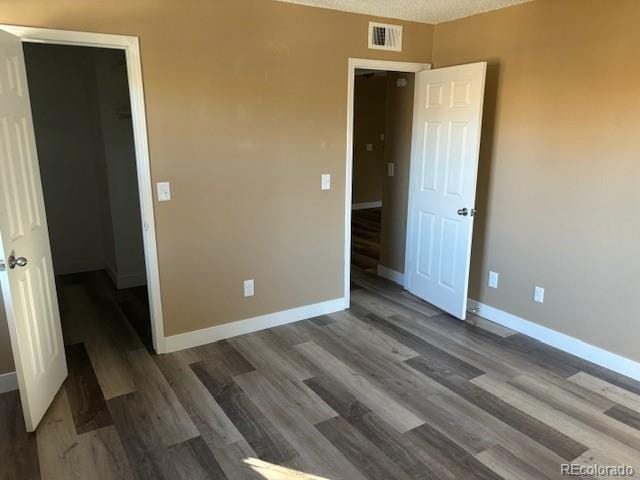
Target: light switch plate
{"points": [[391, 169], [249, 290], [164, 191], [326, 181], [369, 147], [538, 295], [493, 279]]}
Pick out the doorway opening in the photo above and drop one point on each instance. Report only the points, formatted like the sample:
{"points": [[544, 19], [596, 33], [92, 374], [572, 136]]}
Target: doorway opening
{"points": [[427, 248], [373, 213], [382, 121], [81, 110], [27, 265]]}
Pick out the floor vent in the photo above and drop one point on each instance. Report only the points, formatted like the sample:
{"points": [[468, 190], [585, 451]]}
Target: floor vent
{"points": [[383, 36]]}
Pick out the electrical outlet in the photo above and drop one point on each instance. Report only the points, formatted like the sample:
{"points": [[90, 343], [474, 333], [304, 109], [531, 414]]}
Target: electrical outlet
{"points": [[493, 279], [369, 147], [325, 183], [538, 295], [249, 288], [382, 137], [391, 169]]}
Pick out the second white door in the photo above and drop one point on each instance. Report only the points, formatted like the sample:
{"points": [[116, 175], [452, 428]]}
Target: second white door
{"points": [[447, 122]]}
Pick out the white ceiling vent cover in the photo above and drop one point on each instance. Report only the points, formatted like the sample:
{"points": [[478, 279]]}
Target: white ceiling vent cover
{"points": [[383, 36]]}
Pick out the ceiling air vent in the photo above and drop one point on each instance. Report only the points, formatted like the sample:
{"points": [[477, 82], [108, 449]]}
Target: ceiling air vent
{"points": [[383, 36]]}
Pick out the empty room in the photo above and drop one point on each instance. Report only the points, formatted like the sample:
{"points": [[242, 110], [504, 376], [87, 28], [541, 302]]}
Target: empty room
{"points": [[319, 239]]}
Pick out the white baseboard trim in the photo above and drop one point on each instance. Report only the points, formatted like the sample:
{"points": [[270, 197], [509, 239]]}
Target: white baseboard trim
{"points": [[365, 205], [8, 382], [597, 355], [233, 329], [390, 274], [126, 280]]}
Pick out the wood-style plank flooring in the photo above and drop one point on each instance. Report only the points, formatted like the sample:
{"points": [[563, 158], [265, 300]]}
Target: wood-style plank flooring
{"points": [[390, 389], [365, 238]]}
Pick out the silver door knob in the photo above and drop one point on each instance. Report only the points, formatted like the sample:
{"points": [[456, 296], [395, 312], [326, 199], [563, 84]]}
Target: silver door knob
{"points": [[14, 262], [463, 211]]}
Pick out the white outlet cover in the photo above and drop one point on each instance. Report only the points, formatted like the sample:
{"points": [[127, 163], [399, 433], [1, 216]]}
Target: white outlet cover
{"points": [[391, 169], [249, 290], [493, 279], [326, 182], [538, 295], [369, 147], [164, 191]]}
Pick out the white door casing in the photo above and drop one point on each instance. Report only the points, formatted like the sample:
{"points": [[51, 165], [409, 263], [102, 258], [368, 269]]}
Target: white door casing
{"points": [[353, 65], [447, 123], [29, 291]]}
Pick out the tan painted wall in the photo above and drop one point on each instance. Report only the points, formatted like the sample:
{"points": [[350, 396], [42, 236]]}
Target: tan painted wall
{"points": [[368, 124], [559, 168], [246, 108], [396, 189]]}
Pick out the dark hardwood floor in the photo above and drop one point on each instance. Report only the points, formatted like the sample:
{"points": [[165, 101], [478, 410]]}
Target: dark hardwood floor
{"points": [[390, 389], [365, 238]]}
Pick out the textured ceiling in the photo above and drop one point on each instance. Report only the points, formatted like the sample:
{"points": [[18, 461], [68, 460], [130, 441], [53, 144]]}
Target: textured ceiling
{"points": [[427, 11]]}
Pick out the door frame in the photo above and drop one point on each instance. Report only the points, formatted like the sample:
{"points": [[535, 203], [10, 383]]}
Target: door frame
{"points": [[369, 64], [131, 47]]}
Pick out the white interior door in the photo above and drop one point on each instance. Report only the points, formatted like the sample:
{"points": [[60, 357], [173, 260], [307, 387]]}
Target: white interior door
{"points": [[447, 121], [26, 273]]}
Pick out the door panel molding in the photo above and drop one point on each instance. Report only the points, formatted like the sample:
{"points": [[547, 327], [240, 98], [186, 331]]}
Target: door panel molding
{"points": [[442, 179]]}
